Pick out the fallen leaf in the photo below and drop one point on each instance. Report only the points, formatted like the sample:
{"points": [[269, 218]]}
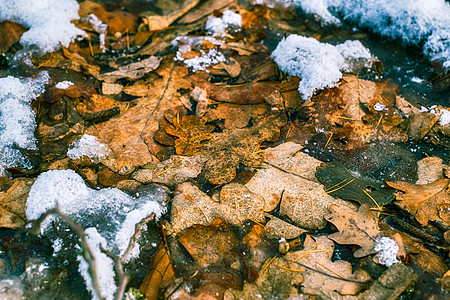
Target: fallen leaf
{"points": [[10, 33], [430, 169], [206, 8], [248, 93], [231, 147], [277, 281], [213, 245], [324, 277], [157, 23], [192, 133], [355, 228], [277, 229], [12, 203], [191, 206], [421, 124], [287, 175], [131, 71], [236, 116], [427, 202], [160, 276], [260, 249], [173, 171], [343, 183]]}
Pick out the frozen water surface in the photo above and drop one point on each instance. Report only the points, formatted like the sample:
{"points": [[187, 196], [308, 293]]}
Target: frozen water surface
{"points": [[17, 119], [108, 215]]}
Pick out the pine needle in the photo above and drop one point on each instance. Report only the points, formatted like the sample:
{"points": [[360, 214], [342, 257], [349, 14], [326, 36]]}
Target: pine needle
{"points": [[267, 265], [329, 139], [289, 269]]}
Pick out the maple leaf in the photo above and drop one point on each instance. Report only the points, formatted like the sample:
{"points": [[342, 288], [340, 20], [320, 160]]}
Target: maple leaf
{"points": [[355, 228], [192, 133], [427, 202]]}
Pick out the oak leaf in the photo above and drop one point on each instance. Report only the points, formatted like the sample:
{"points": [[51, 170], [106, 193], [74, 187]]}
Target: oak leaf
{"points": [[192, 133], [324, 277], [236, 116], [231, 147], [191, 206], [427, 202], [213, 245], [355, 228], [288, 176], [276, 281]]}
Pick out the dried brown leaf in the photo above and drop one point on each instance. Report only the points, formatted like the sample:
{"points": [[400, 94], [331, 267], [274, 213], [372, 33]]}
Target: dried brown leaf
{"points": [[192, 133], [355, 228], [161, 274], [427, 202]]}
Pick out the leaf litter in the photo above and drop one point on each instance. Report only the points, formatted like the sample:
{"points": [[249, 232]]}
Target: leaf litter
{"points": [[271, 196]]}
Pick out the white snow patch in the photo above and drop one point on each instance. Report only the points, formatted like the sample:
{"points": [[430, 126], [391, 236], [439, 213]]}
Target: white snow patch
{"points": [[104, 266], [445, 117], [99, 27], [417, 80], [48, 20], [424, 23], [89, 146], [379, 106], [63, 85], [205, 59], [318, 64], [230, 22], [387, 251], [17, 119]]}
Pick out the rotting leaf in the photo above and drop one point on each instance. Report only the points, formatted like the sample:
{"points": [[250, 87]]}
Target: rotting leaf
{"points": [[157, 23], [260, 249], [161, 274], [355, 228], [342, 183], [277, 281], [427, 202], [131, 71], [192, 133], [324, 277], [213, 245]]}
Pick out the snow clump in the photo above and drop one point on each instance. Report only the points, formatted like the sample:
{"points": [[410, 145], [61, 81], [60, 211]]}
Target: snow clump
{"points": [[205, 59], [318, 65], [63, 85], [48, 20], [424, 23], [17, 119], [229, 22], [89, 146], [387, 251]]}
